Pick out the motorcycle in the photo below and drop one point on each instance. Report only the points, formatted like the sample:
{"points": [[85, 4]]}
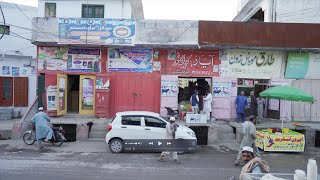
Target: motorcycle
{"points": [[29, 137]]}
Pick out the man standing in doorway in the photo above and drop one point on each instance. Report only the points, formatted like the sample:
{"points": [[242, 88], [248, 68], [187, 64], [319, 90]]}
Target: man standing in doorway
{"points": [[207, 105], [241, 102], [260, 102], [253, 105], [194, 100]]}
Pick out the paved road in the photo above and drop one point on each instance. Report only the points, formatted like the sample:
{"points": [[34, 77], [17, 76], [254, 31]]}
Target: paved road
{"points": [[208, 163]]}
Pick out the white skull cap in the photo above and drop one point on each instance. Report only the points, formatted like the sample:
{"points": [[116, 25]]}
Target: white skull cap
{"points": [[172, 119], [247, 149], [40, 109]]}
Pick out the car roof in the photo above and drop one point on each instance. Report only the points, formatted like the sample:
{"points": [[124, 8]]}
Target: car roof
{"points": [[144, 113]]}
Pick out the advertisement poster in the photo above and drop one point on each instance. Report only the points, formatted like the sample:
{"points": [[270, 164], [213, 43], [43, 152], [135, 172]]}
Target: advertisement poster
{"points": [[69, 59], [156, 66], [100, 84], [51, 98], [281, 142], [130, 60], [52, 58], [97, 31], [172, 54], [192, 62], [250, 63], [5, 70], [83, 60], [221, 88], [303, 66], [169, 88], [62, 91], [87, 94], [15, 71]]}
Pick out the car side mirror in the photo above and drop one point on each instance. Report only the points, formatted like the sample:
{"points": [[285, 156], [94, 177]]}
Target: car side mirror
{"points": [[164, 125]]}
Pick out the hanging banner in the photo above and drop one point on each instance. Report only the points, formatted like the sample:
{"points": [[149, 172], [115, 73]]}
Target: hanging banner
{"points": [[189, 62], [257, 64], [303, 66], [221, 89], [69, 59], [51, 98], [130, 60], [169, 88], [97, 31]]}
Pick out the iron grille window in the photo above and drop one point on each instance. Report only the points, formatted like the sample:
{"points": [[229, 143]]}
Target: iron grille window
{"points": [[92, 11]]}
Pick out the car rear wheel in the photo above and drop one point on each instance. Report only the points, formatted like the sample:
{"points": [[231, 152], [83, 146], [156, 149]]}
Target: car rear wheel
{"points": [[116, 145]]}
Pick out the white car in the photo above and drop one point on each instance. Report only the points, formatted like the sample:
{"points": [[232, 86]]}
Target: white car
{"points": [[132, 125]]}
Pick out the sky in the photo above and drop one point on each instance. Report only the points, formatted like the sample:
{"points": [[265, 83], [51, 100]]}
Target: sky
{"points": [[221, 10]]}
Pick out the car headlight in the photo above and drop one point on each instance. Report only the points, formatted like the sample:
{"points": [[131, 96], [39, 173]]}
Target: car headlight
{"points": [[191, 134]]}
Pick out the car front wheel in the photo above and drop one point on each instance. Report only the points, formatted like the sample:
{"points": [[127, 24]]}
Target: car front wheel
{"points": [[116, 146]]}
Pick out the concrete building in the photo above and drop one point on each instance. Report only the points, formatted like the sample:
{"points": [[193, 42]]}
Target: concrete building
{"points": [[290, 11], [17, 61], [112, 9]]}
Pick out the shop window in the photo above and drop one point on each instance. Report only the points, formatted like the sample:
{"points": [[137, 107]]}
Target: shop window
{"points": [[131, 120], [154, 122], [50, 10], [92, 11]]}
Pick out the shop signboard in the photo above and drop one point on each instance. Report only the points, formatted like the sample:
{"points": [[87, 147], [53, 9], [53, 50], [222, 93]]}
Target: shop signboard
{"points": [[97, 31], [191, 62], [256, 64], [303, 66], [130, 60], [69, 59], [291, 142]]}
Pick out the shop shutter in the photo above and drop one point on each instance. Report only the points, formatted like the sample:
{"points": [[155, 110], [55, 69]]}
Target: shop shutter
{"points": [[20, 91]]}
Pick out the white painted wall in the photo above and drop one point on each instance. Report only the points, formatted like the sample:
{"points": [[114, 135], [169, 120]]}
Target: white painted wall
{"points": [[115, 9], [288, 11], [20, 25], [19, 61]]}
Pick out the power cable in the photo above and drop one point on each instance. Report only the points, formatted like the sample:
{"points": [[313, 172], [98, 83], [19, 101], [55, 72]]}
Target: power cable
{"points": [[304, 9], [31, 20], [18, 35], [299, 13], [4, 23]]}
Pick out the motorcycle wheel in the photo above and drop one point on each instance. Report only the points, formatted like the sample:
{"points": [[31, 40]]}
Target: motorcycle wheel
{"points": [[59, 141], [29, 138]]}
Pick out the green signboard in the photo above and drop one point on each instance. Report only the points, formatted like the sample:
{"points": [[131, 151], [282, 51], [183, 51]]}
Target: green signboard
{"points": [[297, 65]]}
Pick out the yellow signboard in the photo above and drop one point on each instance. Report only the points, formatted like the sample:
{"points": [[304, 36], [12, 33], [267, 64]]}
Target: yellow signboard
{"points": [[292, 142]]}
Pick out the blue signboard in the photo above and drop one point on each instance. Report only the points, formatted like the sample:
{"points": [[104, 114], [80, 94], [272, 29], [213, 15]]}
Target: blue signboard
{"points": [[97, 31]]}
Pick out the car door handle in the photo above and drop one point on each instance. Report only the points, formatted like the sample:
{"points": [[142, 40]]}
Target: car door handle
{"points": [[123, 126], [146, 129]]}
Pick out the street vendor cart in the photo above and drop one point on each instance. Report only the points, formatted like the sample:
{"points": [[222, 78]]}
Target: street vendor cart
{"points": [[290, 141], [284, 140]]}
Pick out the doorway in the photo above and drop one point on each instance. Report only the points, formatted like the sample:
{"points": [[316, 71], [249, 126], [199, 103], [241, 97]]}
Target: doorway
{"points": [[187, 86], [73, 93]]}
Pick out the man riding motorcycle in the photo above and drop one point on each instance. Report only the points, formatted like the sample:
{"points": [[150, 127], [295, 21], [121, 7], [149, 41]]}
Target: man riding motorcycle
{"points": [[42, 129]]}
